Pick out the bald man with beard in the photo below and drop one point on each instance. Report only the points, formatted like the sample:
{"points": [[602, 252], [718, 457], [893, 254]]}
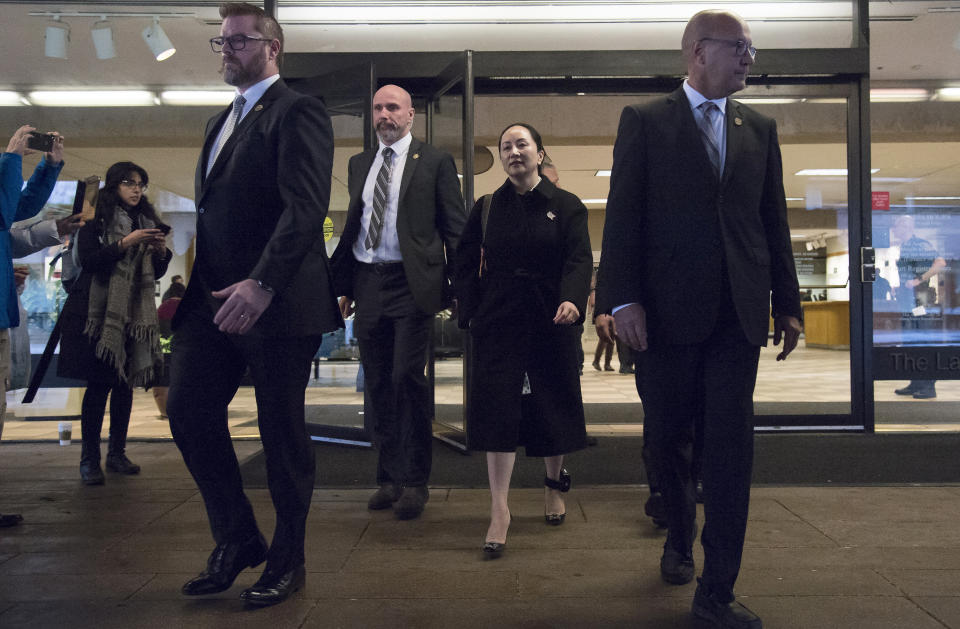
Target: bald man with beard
{"points": [[392, 267]]}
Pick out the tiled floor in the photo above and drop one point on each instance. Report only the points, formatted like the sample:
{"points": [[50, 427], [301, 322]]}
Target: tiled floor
{"points": [[817, 379], [115, 557]]}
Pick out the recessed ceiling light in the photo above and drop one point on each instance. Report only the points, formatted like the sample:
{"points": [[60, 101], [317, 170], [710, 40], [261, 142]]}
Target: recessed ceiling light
{"points": [[602, 173], [92, 98], [826, 172]]}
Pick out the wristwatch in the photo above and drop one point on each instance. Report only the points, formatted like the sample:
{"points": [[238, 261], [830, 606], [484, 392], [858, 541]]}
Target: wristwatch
{"points": [[265, 287]]}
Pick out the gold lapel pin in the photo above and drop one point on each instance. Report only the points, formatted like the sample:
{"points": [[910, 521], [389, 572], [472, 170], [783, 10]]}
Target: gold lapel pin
{"points": [[416, 156], [259, 107], [737, 121]]}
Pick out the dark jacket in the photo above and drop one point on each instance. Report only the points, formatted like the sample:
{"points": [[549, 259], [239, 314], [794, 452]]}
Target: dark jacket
{"points": [[674, 233], [430, 217], [77, 352], [260, 214]]}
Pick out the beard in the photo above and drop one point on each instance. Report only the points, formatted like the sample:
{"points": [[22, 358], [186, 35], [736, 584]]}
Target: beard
{"points": [[239, 75], [389, 132]]}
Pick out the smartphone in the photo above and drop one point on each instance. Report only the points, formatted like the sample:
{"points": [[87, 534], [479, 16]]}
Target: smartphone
{"points": [[40, 141], [85, 199], [163, 228]]}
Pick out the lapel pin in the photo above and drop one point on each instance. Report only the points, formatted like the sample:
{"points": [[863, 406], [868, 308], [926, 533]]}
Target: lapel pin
{"points": [[416, 156], [551, 215], [259, 107], [737, 121]]}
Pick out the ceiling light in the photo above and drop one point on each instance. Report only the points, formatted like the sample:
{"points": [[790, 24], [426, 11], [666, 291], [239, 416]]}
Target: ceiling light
{"points": [[547, 12], [158, 42], [826, 172], [102, 34], [56, 38], [602, 173], [898, 95], [767, 101], [10, 99], [932, 198], [794, 198], [585, 201], [948, 93], [92, 98], [197, 97]]}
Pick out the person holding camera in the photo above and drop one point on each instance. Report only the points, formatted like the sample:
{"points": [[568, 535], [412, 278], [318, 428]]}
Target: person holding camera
{"points": [[111, 337], [18, 203]]}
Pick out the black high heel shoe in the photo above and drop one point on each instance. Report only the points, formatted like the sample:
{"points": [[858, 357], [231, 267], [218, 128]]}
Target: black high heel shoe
{"points": [[563, 486], [495, 550]]}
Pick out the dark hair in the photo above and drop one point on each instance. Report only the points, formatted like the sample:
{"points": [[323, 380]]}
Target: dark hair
{"points": [[175, 278], [176, 290], [108, 198], [267, 26], [533, 134]]}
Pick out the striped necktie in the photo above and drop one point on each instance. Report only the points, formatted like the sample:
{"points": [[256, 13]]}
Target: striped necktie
{"points": [[228, 127], [711, 138], [380, 192]]}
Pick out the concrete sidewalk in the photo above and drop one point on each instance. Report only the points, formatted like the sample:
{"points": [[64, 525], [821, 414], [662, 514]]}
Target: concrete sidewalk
{"points": [[116, 556]]}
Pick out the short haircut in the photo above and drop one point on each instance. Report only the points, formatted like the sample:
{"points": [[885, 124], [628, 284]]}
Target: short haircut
{"points": [[267, 26]]}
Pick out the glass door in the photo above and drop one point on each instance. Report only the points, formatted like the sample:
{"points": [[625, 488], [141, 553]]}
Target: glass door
{"points": [[449, 127], [335, 398]]}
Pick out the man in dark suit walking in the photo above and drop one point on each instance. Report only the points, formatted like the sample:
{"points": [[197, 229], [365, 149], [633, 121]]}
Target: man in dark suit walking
{"points": [[259, 298], [695, 244], [404, 220]]}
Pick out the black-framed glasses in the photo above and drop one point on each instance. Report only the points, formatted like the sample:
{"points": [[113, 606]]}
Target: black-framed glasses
{"points": [[741, 46], [235, 42], [129, 183]]}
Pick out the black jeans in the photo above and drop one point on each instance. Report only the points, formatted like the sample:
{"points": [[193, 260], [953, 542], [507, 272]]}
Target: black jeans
{"points": [[91, 419]]}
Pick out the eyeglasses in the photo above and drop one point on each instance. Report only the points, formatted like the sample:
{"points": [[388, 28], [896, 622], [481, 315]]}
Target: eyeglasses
{"points": [[133, 184], [742, 47], [235, 42]]}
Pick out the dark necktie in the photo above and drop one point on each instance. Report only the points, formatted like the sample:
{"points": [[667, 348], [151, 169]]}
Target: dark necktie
{"points": [[228, 127], [708, 129], [380, 192]]}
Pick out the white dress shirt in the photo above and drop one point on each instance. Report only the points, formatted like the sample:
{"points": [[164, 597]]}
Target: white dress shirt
{"points": [[388, 249]]}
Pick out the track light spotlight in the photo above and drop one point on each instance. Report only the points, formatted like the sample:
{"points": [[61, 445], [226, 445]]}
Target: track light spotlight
{"points": [[56, 38], [102, 34], [158, 42]]}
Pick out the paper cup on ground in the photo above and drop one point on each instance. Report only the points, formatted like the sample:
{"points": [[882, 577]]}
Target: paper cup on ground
{"points": [[66, 432]]}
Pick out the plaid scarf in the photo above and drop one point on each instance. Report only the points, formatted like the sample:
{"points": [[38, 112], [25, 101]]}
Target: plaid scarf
{"points": [[122, 315]]}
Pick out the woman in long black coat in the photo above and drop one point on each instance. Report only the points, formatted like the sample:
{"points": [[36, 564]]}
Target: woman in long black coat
{"points": [[110, 334], [523, 274]]}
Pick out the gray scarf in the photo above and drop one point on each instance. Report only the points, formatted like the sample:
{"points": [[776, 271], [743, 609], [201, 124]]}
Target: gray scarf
{"points": [[122, 315]]}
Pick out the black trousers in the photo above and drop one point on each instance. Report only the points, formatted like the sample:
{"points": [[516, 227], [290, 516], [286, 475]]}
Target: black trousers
{"points": [[206, 368], [91, 418], [713, 381], [394, 338]]}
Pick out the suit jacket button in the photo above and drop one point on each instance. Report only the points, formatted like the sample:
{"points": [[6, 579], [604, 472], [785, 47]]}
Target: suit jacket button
{"points": [[200, 211]]}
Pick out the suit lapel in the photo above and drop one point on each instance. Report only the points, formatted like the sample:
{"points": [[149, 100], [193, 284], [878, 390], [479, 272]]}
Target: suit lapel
{"points": [[249, 120], [413, 158], [689, 137], [734, 131], [212, 129]]}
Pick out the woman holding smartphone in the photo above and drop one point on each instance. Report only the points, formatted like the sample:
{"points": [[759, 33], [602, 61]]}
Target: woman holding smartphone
{"points": [[110, 333]]}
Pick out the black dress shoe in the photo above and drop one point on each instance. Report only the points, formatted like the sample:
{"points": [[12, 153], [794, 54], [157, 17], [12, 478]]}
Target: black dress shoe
{"points": [[225, 563], [384, 497], [411, 502], [274, 587], [925, 394], [10, 519], [676, 568], [91, 474], [493, 550], [730, 615], [120, 464], [907, 390], [656, 509]]}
